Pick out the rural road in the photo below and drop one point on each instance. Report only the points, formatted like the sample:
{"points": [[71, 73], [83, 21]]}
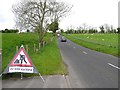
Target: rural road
{"points": [[51, 81], [88, 68]]}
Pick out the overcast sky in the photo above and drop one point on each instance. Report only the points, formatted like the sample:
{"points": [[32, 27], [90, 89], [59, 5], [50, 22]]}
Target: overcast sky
{"points": [[91, 12]]}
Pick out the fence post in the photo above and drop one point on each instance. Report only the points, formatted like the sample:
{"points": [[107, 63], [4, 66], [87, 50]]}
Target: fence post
{"points": [[27, 48], [39, 46], [43, 43], [51, 40], [16, 48], [34, 47]]}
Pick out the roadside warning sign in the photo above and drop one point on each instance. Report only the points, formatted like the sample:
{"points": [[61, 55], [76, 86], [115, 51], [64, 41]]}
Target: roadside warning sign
{"points": [[21, 59], [21, 69], [21, 63]]}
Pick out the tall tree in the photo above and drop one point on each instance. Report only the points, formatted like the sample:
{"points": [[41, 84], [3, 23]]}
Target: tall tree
{"points": [[107, 28], [59, 10], [38, 14], [118, 29], [54, 26], [85, 26], [102, 29]]}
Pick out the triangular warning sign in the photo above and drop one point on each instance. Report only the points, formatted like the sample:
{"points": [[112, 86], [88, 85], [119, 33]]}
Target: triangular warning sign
{"points": [[21, 63], [21, 59]]}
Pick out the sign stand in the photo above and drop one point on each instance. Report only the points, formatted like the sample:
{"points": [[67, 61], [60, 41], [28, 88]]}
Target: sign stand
{"points": [[1, 75], [21, 76], [21, 63], [41, 77]]}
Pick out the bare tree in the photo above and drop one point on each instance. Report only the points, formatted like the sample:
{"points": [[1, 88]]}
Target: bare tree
{"points": [[38, 14], [102, 29], [107, 28], [59, 10], [85, 26]]}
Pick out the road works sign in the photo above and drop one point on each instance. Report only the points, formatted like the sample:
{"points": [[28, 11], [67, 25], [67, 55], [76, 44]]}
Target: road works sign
{"points": [[21, 63], [21, 59], [21, 69]]}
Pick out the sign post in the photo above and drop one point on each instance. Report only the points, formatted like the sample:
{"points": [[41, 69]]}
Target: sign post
{"points": [[21, 63]]}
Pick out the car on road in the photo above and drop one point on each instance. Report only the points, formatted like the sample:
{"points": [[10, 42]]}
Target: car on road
{"points": [[58, 34], [63, 39]]}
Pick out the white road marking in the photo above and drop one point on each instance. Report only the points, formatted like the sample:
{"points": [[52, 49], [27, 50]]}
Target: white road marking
{"points": [[113, 65], [74, 47], [84, 52]]}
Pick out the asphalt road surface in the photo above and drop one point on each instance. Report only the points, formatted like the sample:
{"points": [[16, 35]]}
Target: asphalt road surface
{"points": [[88, 68], [51, 81]]}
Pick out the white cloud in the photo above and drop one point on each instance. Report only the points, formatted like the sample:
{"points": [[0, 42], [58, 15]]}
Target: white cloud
{"points": [[6, 15], [92, 12]]}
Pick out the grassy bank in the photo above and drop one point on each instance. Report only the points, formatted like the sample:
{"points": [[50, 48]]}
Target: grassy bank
{"points": [[106, 43], [47, 60]]}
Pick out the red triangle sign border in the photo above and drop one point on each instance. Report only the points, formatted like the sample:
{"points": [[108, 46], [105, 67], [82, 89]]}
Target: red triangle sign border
{"points": [[22, 65]]}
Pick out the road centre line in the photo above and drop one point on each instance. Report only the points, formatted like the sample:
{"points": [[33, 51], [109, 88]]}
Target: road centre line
{"points": [[113, 65], [74, 47], [84, 52]]}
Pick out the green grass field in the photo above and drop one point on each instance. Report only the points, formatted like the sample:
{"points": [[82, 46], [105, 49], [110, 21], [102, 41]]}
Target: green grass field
{"points": [[47, 60], [107, 43]]}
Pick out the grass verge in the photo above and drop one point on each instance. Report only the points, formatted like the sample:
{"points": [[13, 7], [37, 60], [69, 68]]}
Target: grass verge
{"points": [[106, 43]]}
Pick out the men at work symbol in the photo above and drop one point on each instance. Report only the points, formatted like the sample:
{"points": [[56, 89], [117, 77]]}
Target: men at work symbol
{"points": [[22, 58]]}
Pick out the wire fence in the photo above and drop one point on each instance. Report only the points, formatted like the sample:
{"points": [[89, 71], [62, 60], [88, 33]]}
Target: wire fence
{"points": [[10, 51], [28, 47]]}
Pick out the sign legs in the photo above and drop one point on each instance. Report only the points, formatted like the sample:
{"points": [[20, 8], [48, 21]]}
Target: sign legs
{"points": [[41, 77], [21, 76], [0, 74]]}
